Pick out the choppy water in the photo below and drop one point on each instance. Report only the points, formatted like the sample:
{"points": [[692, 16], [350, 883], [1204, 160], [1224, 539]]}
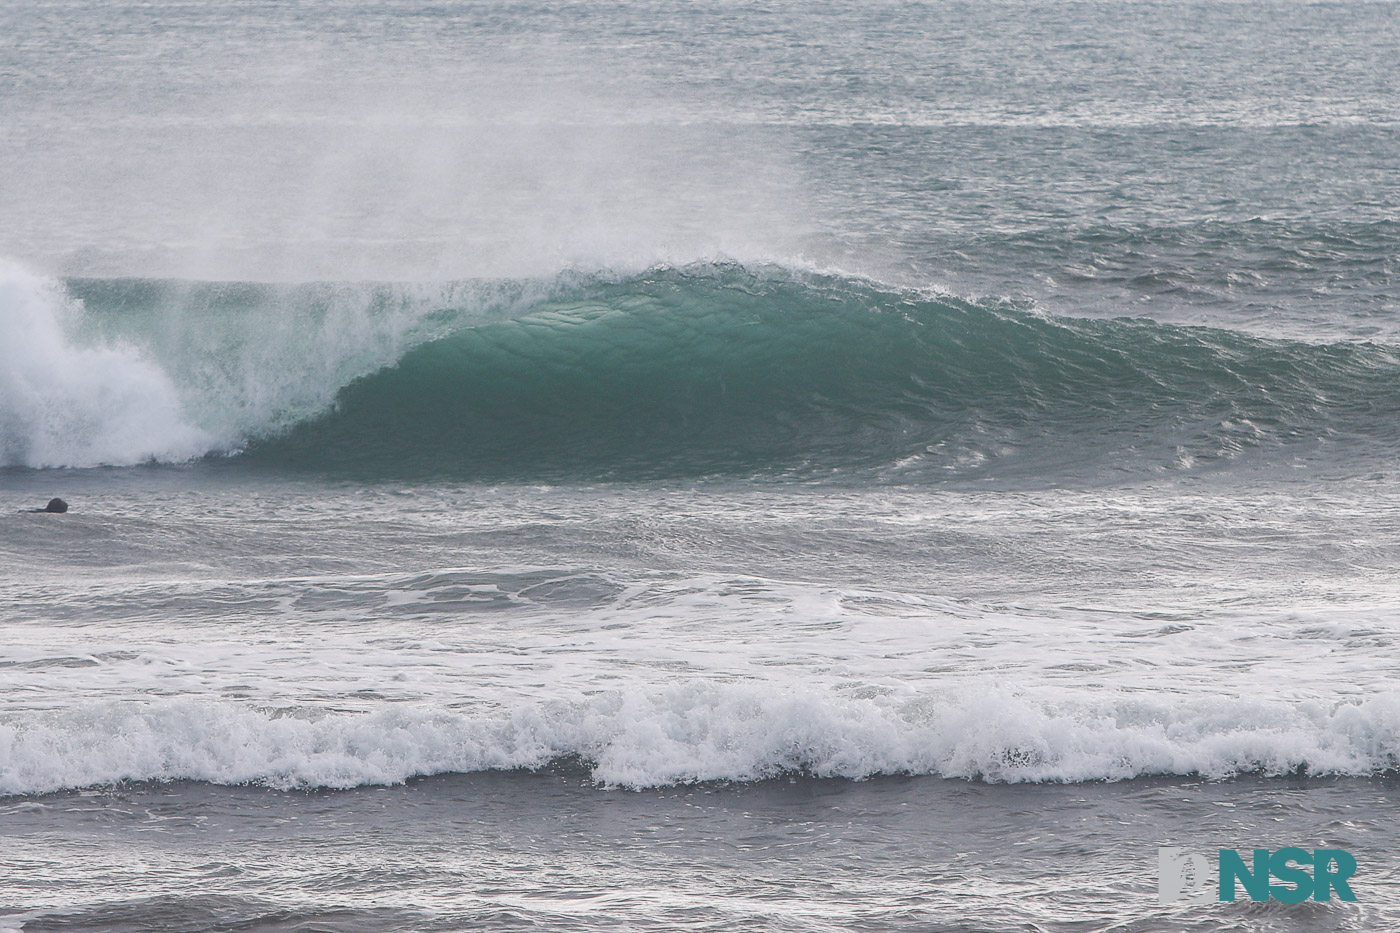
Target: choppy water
{"points": [[625, 465], [498, 851]]}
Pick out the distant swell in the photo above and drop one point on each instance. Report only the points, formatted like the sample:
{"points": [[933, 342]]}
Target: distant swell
{"points": [[700, 733], [682, 372]]}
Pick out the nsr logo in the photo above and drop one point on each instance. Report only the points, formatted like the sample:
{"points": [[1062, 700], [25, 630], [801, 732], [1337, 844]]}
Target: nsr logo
{"points": [[1185, 877]]}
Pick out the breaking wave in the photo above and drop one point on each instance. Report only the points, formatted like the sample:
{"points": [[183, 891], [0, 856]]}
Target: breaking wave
{"points": [[704, 732], [674, 372]]}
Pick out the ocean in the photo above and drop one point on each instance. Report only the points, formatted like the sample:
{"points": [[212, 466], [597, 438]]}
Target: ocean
{"points": [[627, 465]]}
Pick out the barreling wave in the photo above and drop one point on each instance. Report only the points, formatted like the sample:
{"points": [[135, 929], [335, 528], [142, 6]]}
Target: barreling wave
{"points": [[724, 369], [701, 732], [685, 372]]}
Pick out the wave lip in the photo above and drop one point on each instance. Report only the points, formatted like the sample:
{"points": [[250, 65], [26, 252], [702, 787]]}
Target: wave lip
{"points": [[702, 732]]}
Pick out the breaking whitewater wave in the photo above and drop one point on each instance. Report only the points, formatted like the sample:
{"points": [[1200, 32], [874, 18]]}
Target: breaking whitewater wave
{"points": [[686, 371], [704, 732], [65, 404]]}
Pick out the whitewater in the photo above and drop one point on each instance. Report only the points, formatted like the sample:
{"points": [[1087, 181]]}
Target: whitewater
{"points": [[536, 465]]}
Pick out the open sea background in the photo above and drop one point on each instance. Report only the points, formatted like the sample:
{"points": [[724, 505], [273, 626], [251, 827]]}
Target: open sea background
{"points": [[707, 466]]}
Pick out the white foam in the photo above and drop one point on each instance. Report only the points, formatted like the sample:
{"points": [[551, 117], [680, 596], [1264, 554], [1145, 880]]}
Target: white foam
{"points": [[699, 732], [178, 380], [64, 404], [340, 681]]}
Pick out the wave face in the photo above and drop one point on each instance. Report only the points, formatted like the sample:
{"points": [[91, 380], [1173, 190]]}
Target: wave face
{"points": [[684, 372], [694, 371]]}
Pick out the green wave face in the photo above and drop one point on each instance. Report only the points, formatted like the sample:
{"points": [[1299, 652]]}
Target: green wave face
{"points": [[726, 370]]}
